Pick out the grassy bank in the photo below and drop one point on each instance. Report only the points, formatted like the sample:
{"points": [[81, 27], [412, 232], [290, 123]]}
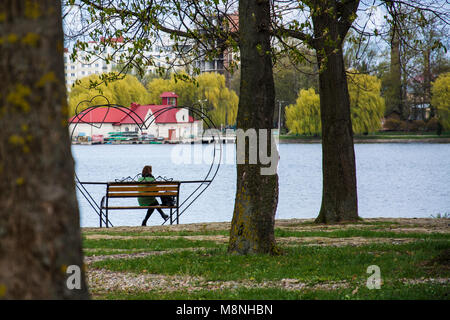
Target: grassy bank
{"points": [[387, 136], [317, 261]]}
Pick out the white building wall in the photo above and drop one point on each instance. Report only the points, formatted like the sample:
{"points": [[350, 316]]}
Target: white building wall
{"points": [[89, 130], [182, 115]]}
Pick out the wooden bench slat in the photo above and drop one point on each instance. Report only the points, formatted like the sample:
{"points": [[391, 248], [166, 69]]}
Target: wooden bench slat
{"points": [[141, 188], [141, 194], [136, 190], [141, 207]]}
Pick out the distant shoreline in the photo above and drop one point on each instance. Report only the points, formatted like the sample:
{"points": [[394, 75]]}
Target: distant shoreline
{"points": [[361, 141]]}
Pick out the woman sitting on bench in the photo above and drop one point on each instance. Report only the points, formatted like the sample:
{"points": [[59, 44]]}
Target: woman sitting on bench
{"points": [[149, 201]]}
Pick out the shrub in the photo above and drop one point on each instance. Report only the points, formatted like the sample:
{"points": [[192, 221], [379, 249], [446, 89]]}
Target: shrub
{"points": [[393, 125], [417, 125], [432, 124]]}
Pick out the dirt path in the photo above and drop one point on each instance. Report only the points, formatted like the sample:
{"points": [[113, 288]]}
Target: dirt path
{"points": [[400, 225], [104, 281], [380, 224]]}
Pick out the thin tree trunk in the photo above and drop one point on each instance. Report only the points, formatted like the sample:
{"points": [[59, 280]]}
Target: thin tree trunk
{"points": [[39, 222], [339, 195], [396, 74], [252, 227], [427, 80]]}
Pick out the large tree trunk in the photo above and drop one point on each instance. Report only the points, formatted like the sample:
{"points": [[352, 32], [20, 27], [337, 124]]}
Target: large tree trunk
{"points": [[252, 227], [39, 223], [339, 196]]}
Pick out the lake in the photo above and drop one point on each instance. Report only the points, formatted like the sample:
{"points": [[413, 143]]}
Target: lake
{"points": [[394, 180]]}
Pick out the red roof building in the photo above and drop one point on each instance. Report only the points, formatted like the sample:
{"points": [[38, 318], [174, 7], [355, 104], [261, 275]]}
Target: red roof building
{"points": [[169, 98], [136, 113], [151, 119]]}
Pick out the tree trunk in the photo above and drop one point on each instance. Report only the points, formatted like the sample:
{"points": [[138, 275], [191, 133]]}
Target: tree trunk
{"points": [[395, 99], [427, 80], [339, 196], [39, 222], [252, 227]]}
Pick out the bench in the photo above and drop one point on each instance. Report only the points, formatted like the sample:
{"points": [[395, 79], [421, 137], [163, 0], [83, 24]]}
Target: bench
{"points": [[160, 189]]}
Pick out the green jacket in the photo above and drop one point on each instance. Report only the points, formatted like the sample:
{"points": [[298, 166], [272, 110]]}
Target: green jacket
{"points": [[147, 201]]}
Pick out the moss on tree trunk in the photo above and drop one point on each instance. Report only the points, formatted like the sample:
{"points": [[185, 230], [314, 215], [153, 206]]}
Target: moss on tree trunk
{"points": [[339, 195], [252, 228], [39, 221]]}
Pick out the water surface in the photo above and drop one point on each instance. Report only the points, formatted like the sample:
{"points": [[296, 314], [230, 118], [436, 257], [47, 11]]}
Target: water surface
{"points": [[394, 180]]}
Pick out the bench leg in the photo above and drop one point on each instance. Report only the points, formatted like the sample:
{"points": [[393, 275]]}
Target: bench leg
{"points": [[106, 215], [178, 207], [102, 203], [107, 205]]}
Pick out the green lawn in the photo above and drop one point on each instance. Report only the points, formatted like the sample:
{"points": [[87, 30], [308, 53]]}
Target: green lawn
{"points": [[388, 292], [319, 269], [305, 263], [147, 244], [360, 233]]}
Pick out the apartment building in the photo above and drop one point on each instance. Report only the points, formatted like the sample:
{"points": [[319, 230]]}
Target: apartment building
{"points": [[93, 59]]}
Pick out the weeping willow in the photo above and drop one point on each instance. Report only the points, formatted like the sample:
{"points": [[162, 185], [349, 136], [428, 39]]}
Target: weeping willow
{"points": [[440, 99], [366, 107], [303, 117], [366, 104], [217, 100], [122, 92]]}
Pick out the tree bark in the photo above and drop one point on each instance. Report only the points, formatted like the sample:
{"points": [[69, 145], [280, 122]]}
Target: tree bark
{"points": [[395, 75], [427, 77], [395, 91], [339, 195], [39, 221], [252, 227]]}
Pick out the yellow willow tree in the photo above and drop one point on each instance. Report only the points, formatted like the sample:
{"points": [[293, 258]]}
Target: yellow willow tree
{"points": [[123, 92], [187, 91], [207, 92], [304, 116], [366, 104], [366, 107], [221, 102], [440, 91]]}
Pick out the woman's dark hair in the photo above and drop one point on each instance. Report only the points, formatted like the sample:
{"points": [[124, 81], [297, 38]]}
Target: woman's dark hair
{"points": [[147, 171]]}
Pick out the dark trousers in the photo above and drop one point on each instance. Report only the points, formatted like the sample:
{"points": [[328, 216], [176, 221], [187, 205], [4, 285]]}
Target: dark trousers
{"points": [[149, 213]]}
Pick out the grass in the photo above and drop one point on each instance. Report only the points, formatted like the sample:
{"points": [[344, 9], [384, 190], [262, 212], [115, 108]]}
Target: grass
{"points": [[405, 133], [162, 233], [379, 135], [445, 215], [311, 264], [147, 244], [388, 292], [373, 226], [360, 233]]}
